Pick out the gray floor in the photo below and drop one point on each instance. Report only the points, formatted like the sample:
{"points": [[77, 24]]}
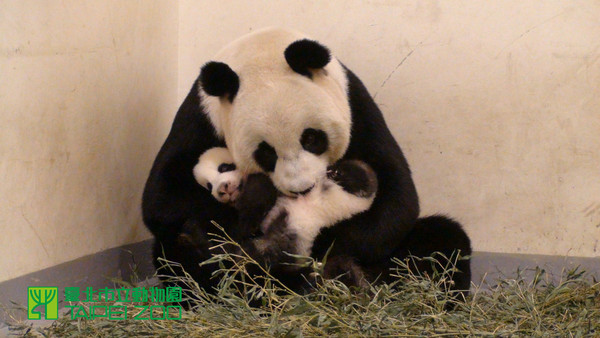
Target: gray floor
{"points": [[97, 271], [488, 267]]}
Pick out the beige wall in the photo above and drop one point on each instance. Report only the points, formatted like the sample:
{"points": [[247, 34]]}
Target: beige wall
{"points": [[496, 104], [87, 92]]}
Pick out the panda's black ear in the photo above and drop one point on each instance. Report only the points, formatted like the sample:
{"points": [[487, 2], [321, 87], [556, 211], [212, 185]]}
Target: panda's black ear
{"points": [[303, 55], [217, 79]]}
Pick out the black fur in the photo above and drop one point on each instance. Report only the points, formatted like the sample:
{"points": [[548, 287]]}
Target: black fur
{"points": [[225, 167], [354, 177], [178, 211], [443, 239], [305, 54], [345, 269], [257, 198], [218, 79], [314, 141], [266, 156], [440, 234]]}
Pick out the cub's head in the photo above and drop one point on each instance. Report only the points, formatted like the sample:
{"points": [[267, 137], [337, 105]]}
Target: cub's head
{"points": [[280, 101], [217, 173]]}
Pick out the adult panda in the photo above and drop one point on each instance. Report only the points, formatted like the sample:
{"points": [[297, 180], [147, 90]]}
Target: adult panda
{"points": [[284, 106]]}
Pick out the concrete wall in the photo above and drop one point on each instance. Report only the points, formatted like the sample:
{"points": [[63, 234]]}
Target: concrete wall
{"points": [[87, 93], [496, 104]]}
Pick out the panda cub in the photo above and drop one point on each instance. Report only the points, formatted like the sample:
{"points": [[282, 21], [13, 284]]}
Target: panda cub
{"points": [[217, 173], [286, 224]]}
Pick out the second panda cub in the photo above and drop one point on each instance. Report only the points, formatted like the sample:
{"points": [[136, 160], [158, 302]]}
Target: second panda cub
{"points": [[286, 224]]}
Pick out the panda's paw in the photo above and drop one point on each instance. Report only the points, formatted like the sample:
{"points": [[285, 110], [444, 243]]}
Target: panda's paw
{"points": [[346, 270], [355, 177], [257, 198]]}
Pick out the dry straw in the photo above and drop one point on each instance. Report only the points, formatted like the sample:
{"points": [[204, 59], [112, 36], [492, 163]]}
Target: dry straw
{"points": [[413, 305]]}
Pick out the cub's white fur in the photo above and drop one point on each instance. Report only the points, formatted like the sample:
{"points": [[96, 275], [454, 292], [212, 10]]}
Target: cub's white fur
{"points": [[224, 186], [274, 104]]}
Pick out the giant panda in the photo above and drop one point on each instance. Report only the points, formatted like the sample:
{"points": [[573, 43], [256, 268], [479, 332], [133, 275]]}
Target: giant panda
{"points": [[284, 106]]}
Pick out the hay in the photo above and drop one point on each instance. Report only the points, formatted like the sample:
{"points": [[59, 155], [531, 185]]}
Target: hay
{"points": [[414, 305]]}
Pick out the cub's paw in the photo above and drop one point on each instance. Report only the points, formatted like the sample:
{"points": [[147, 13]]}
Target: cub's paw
{"points": [[355, 177]]}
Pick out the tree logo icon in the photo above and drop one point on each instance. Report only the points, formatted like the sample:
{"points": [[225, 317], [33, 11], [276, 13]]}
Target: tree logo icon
{"points": [[42, 298]]}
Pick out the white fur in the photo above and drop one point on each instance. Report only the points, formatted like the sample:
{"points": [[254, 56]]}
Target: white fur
{"points": [[326, 205], [275, 104], [207, 171]]}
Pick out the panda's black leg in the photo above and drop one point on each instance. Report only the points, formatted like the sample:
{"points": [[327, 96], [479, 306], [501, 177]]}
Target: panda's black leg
{"points": [[431, 237]]}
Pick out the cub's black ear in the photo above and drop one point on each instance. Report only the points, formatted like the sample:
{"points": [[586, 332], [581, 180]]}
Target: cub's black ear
{"points": [[303, 55], [217, 79]]}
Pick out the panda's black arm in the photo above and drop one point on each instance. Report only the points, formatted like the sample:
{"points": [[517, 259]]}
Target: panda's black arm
{"points": [[171, 195], [373, 235], [257, 198]]}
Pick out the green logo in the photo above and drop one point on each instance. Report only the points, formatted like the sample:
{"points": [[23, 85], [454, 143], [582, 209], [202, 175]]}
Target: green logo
{"points": [[45, 298]]}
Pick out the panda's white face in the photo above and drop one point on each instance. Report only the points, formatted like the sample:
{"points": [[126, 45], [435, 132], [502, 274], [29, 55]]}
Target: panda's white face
{"points": [[281, 123], [291, 132], [217, 173]]}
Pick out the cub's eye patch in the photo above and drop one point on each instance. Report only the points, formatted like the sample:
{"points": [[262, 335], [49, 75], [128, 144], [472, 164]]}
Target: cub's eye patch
{"points": [[225, 167], [265, 156], [209, 186], [314, 141]]}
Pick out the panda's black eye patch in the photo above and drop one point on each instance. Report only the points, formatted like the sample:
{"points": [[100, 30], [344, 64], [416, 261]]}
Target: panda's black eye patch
{"points": [[209, 186], [314, 141], [225, 167], [265, 156]]}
